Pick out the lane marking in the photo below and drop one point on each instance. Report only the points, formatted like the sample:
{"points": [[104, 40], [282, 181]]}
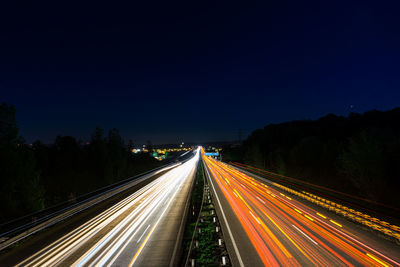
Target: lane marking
{"points": [[319, 214], [143, 233], [305, 235], [141, 247], [226, 221]]}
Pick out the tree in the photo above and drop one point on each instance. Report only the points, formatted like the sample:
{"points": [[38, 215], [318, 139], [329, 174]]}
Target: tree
{"points": [[363, 162], [117, 154], [21, 190], [254, 156]]}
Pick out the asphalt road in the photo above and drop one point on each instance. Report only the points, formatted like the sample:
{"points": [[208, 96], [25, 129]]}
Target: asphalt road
{"points": [[123, 233], [264, 226]]}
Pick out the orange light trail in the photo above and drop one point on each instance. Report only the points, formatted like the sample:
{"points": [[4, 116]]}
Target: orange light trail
{"points": [[286, 232]]}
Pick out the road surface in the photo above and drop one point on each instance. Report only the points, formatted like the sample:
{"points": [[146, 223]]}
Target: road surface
{"points": [[128, 232], [264, 226]]}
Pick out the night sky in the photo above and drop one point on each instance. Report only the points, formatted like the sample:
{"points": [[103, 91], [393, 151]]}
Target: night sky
{"points": [[194, 71]]}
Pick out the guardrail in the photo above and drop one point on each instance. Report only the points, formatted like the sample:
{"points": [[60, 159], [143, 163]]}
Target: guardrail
{"points": [[385, 228]]}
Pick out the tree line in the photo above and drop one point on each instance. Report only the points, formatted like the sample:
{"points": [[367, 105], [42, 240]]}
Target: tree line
{"points": [[34, 177], [358, 154]]}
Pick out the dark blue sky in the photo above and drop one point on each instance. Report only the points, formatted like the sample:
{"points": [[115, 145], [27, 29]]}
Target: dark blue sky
{"points": [[195, 70]]}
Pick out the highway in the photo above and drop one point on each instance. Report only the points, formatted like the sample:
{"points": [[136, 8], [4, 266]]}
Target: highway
{"points": [[267, 227], [127, 233]]}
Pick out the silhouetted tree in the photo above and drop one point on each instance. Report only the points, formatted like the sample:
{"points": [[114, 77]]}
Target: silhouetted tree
{"points": [[359, 154], [21, 190], [39, 175], [363, 162]]}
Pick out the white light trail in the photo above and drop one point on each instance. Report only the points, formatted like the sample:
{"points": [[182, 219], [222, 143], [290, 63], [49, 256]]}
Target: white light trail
{"points": [[116, 228]]}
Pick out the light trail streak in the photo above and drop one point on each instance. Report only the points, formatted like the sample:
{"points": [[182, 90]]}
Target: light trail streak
{"points": [[116, 234], [284, 231], [309, 238], [332, 221]]}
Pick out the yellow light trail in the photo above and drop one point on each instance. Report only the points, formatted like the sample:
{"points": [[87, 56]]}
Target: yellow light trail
{"points": [[338, 224]]}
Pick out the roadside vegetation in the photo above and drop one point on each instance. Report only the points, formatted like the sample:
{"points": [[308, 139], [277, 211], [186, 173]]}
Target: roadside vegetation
{"points": [[208, 252], [203, 238]]}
